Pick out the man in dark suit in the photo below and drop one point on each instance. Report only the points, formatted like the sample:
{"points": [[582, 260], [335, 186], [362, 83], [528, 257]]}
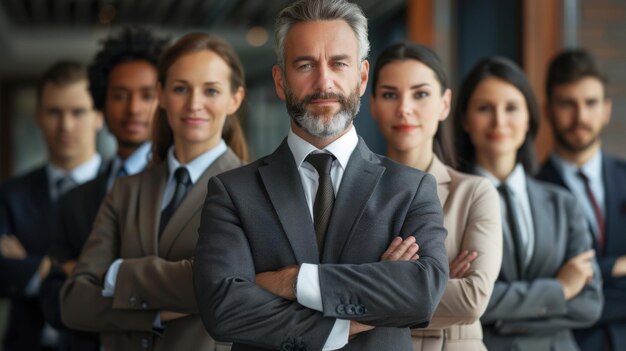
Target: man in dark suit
{"points": [[578, 110], [123, 80], [288, 248], [69, 125]]}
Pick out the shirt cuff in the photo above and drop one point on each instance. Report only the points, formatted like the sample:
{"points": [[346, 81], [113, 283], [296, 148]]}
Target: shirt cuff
{"points": [[157, 322], [111, 278], [338, 336], [32, 288], [308, 287]]}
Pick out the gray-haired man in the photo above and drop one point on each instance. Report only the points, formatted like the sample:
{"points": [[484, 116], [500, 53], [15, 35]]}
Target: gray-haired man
{"points": [[289, 245]]}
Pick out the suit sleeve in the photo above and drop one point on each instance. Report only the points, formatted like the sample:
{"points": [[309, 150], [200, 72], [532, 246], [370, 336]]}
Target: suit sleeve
{"points": [[15, 274], [465, 299], [162, 285], [231, 305], [82, 305], [581, 311], [394, 294]]}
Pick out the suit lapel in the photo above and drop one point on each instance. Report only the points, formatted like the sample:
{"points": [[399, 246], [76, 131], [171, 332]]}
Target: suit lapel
{"points": [[284, 187], [193, 201], [441, 174], [612, 207], [41, 189], [150, 196], [544, 224], [357, 185], [551, 174]]}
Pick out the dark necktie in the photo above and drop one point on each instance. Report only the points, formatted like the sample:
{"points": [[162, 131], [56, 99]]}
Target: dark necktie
{"points": [[121, 172], [182, 185], [514, 227], [64, 184], [325, 196], [596, 209]]}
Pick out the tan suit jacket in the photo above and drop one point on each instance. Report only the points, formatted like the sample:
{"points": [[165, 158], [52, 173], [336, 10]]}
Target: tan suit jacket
{"points": [[471, 208], [156, 275]]}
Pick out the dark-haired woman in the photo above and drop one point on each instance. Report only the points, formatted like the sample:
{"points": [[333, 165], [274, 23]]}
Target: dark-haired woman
{"points": [[133, 281], [549, 282], [410, 100]]}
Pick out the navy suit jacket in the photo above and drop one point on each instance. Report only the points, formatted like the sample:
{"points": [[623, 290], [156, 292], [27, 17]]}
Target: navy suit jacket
{"points": [[612, 323], [77, 211], [27, 212], [25, 206]]}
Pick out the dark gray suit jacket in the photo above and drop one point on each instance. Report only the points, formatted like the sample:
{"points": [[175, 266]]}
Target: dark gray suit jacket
{"points": [[256, 219], [529, 312], [611, 328]]}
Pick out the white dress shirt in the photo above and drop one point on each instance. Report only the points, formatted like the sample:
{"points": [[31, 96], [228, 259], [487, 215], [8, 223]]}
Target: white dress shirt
{"points": [[308, 286], [516, 181], [593, 170]]}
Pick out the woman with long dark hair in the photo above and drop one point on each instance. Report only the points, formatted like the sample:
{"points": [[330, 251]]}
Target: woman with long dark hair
{"points": [[549, 281], [410, 100], [133, 281]]}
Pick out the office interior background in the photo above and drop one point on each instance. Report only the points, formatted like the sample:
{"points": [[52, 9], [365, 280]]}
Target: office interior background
{"points": [[36, 33]]}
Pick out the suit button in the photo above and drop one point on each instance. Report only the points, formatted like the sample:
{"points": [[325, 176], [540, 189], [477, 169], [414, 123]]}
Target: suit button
{"points": [[132, 301], [145, 343], [341, 309], [286, 346], [144, 305], [350, 309], [360, 309]]}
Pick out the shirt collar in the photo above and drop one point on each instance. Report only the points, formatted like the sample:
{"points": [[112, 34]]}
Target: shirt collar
{"points": [[341, 148], [135, 163], [591, 168], [198, 165], [516, 181], [80, 174]]}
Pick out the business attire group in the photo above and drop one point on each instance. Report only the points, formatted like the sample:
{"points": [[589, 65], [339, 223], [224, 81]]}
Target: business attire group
{"points": [[181, 245]]}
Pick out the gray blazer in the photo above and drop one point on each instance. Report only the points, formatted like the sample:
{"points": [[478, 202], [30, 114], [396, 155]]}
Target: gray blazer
{"points": [[530, 312], [256, 219]]}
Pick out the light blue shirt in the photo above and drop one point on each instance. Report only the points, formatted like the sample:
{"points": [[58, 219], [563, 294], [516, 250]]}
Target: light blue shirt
{"points": [[308, 286], [196, 167], [82, 173], [134, 164], [516, 181], [593, 170]]}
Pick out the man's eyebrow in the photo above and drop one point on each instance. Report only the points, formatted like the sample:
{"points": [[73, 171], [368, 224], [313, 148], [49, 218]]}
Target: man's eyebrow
{"points": [[340, 58], [303, 58]]}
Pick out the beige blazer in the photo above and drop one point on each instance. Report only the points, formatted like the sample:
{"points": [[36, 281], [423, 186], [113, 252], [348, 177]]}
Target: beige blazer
{"points": [[156, 275], [471, 209]]}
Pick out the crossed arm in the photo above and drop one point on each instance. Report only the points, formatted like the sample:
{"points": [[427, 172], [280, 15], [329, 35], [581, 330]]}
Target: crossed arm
{"points": [[234, 306], [148, 285]]}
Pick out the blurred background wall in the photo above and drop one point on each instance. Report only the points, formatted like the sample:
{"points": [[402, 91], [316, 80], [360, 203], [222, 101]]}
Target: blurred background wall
{"points": [[36, 33]]}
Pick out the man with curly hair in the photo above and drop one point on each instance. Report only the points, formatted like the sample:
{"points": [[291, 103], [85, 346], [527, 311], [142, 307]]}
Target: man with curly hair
{"points": [[123, 77]]}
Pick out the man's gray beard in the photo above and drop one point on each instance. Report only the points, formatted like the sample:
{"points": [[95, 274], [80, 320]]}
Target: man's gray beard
{"points": [[318, 126]]}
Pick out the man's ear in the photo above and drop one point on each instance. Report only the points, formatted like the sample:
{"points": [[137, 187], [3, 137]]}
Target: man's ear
{"points": [[365, 69], [277, 74]]}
